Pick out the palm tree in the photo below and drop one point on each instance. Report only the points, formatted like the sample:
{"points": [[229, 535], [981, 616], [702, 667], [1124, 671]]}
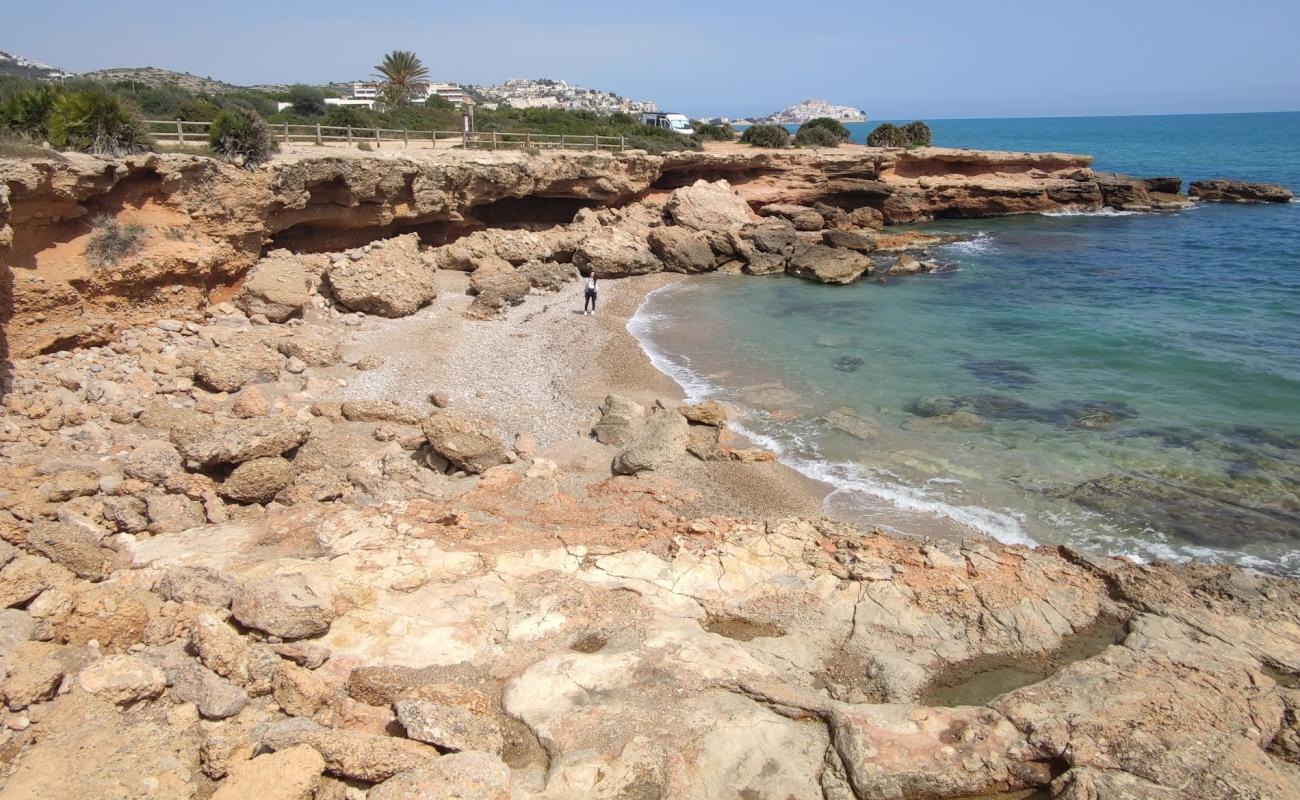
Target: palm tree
{"points": [[403, 75]]}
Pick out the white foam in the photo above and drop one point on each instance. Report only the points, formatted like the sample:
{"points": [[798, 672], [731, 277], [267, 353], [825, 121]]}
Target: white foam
{"points": [[644, 323], [1082, 212], [978, 244]]}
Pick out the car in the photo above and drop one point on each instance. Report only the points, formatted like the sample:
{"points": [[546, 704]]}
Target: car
{"points": [[677, 123]]}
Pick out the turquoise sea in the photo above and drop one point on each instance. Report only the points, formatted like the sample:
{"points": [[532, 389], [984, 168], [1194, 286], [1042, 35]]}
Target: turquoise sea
{"points": [[1128, 383]]}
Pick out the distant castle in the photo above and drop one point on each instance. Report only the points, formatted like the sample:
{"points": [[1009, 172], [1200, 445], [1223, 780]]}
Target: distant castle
{"points": [[811, 109]]}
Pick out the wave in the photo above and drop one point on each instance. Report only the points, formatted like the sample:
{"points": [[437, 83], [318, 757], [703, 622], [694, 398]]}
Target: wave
{"points": [[978, 244], [642, 326], [1098, 212]]}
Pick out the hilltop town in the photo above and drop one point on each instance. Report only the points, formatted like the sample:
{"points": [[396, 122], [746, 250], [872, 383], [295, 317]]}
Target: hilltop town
{"points": [[548, 93], [800, 113]]}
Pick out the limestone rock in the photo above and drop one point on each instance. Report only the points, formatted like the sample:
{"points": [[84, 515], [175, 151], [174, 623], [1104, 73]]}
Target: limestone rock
{"points": [[802, 218], [257, 480], [16, 627], [238, 362], [277, 287], [620, 421], [122, 679], [662, 443], [248, 403], [152, 462], [706, 206], [34, 674], [469, 444], [312, 346], [393, 279], [169, 513], [448, 727], [865, 217], [830, 265], [615, 253], [350, 754], [380, 411], [234, 441], [290, 774], [549, 276], [906, 265], [463, 776], [496, 285], [850, 240], [126, 513], [681, 249], [709, 412], [202, 585], [214, 696], [299, 692], [27, 576], [297, 606], [73, 546], [1227, 191]]}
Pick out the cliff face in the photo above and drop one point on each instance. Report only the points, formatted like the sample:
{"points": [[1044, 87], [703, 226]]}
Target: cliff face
{"points": [[203, 224]]}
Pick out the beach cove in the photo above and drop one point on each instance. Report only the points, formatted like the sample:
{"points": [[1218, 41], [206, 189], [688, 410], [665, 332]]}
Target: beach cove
{"points": [[341, 482]]}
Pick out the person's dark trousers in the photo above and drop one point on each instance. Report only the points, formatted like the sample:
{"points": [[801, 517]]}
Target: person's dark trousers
{"points": [[590, 301]]}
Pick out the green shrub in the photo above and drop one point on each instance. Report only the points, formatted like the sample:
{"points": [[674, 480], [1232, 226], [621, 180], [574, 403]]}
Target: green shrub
{"points": [[241, 137], [364, 147], [99, 123], [766, 136], [913, 134], [347, 117], [307, 101], [27, 113], [829, 124], [816, 137], [198, 109], [111, 241], [917, 134], [711, 132]]}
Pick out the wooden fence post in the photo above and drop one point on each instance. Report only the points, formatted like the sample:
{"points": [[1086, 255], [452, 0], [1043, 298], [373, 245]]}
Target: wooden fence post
{"points": [[528, 140], [377, 145], [286, 133], [180, 132], [319, 140], [349, 134], [622, 144], [561, 141], [406, 142]]}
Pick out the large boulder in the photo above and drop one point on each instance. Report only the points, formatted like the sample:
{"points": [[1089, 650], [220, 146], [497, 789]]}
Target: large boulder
{"points": [[551, 276], [682, 249], [297, 606], [214, 696], [1123, 192], [122, 679], [258, 480], [706, 206], [613, 252], [238, 362], [803, 218], [152, 462], [850, 240], [1227, 191], [620, 421], [234, 441], [73, 546], [350, 754], [469, 444], [277, 287], [496, 284], [766, 247], [392, 279], [830, 265], [662, 443]]}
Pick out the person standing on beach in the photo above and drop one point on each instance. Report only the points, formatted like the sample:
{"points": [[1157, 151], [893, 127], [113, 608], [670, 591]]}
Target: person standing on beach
{"points": [[589, 296]]}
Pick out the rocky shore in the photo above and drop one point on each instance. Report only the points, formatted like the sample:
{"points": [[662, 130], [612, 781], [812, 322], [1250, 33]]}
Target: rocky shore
{"points": [[332, 493]]}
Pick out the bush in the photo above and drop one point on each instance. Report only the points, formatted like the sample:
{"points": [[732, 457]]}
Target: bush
{"points": [[711, 132], [829, 124], [917, 134], [816, 137], [766, 136], [242, 137], [198, 109], [99, 123], [307, 101], [111, 241], [347, 117], [26, 114], [913, 134]]}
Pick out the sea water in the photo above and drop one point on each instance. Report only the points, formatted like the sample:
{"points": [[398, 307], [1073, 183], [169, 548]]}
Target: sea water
{"points": [[1124, 383]]}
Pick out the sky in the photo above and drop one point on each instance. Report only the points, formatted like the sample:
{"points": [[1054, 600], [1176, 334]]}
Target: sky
{"points": [[895, 60]]}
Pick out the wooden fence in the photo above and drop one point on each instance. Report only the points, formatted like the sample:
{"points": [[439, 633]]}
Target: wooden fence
{"points": [[196, 133]]}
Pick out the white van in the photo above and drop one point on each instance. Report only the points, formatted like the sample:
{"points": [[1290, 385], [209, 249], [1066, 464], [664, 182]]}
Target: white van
{"points": [[677, 123]]}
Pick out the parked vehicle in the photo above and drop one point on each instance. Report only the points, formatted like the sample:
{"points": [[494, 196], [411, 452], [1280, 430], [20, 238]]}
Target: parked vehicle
{"points": [[677, 123]]}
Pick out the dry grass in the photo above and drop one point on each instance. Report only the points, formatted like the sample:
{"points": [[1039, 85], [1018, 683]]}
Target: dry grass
{"points": [[111, 241]]}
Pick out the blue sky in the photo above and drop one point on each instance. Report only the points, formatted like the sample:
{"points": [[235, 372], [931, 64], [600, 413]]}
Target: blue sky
{"points": [[717, 57]]}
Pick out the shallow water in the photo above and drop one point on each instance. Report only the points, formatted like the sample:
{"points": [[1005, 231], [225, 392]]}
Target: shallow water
{"points": [[1126, 383]]}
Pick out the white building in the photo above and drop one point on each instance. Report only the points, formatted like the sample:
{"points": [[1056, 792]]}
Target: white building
{"points": [[356, 102]]}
